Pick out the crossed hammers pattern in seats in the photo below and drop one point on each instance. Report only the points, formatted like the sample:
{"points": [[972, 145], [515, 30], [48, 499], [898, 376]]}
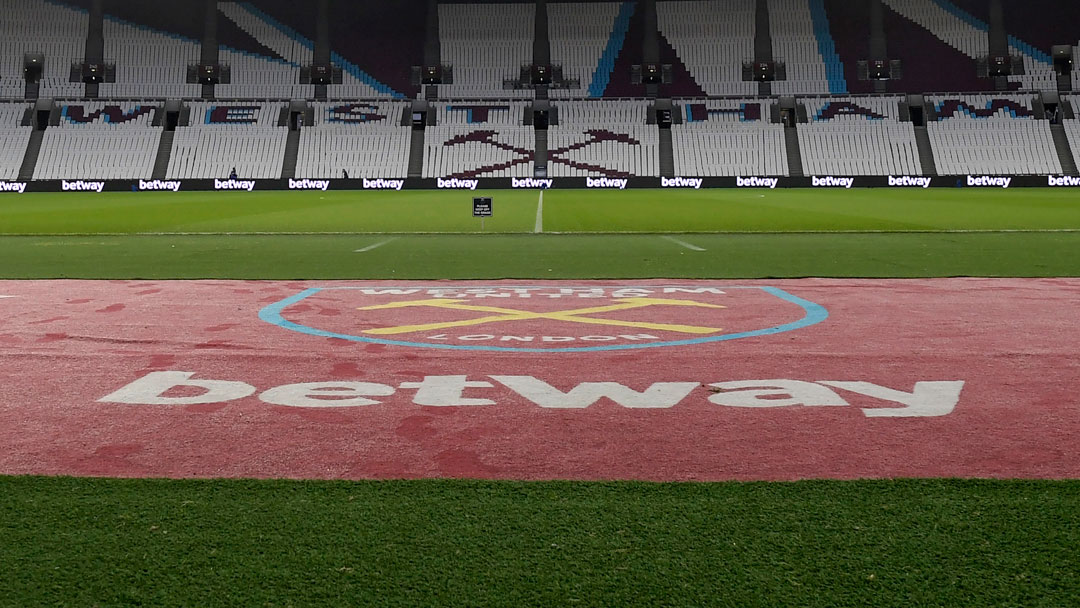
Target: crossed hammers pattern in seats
{"points": [[556, 155]]}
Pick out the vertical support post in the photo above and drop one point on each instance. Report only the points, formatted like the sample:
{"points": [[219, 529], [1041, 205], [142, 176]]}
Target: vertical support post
{"points": [[879, 50], [95, 42], [999, 40], [762, 41], [541, 43], [321, 55], [650, 50], [432, 47], [209, 53]]}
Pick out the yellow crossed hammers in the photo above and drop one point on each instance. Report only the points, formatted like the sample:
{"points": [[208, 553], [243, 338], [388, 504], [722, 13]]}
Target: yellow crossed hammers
{"points": [[574, 316]]}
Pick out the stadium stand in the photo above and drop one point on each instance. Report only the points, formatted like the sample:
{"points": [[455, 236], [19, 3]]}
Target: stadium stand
{"points": [[1038, 68], [848, 26], [603, 138], [1072, 132], [801, 39], [261, 76], [713, 39], [362, 139], [991, 134], [1037, 25], [479, 140], [857, 136], [728, 138], [580, 34], [500, 113], [946, 25], [599, 127], [467, 152], [223, 136], [59, 32], [11, 86], [969, 34], [929, 62], [1041, 24], [13, 139], [360, 34], [100, 140], [264, 43], [487, 44], [149, 63]]}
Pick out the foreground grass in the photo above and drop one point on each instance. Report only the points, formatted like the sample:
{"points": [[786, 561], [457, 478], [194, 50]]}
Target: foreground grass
{"points": [[229, 543], [1043, 254], [724, 210]]}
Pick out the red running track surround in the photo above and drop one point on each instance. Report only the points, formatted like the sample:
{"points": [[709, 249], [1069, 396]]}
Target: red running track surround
{"points": [[914, 378]]}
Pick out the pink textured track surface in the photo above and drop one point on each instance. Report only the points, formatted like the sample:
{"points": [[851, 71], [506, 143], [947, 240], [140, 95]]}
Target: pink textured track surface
{"points": [[66, 345]]}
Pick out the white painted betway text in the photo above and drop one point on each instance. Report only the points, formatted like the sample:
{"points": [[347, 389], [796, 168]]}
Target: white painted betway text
{"points": [[926, 399]]}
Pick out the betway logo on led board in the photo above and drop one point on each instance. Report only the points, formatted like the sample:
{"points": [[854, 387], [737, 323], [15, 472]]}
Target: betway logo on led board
{"points": [[81, 186], [383, 184], [529, 182], [234, 184], [756, 182], [832, 182], [989, 180], [157, 184], [1065, 180], [909, 181], [681, 182], [456, 184]]}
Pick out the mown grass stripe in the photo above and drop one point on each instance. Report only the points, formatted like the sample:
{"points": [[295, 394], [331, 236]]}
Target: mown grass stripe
{"points": [[467, 543]]}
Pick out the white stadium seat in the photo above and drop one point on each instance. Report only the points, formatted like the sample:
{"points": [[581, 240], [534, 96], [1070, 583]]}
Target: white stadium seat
{"points": [[13, 139], [255, 150], [372, 147], [854, 143], [1000, 144], [101, 148]]}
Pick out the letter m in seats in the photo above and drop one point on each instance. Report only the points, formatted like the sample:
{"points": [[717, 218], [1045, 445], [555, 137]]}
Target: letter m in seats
{"points": [[111, 114]]}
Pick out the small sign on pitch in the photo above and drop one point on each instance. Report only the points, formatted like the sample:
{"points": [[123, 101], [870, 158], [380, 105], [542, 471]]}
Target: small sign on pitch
{"points": [[481, 206]]}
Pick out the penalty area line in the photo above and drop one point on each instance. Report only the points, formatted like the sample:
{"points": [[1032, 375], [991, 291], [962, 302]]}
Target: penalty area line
{"points": [[682, 243], [375, 246]]}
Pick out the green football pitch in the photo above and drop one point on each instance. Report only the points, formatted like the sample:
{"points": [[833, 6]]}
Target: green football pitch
{"points": [[571, 234], [100, 542]]}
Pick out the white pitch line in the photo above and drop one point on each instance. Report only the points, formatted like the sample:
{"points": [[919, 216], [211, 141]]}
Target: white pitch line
{"points": [[539, 214], [582, 232], [682, 243], [370, 247], [2, 297]]}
